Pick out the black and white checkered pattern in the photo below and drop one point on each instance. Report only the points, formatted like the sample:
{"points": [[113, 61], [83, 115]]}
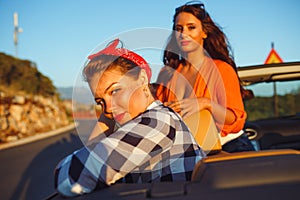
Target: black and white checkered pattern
{"points": [[154, 146]]}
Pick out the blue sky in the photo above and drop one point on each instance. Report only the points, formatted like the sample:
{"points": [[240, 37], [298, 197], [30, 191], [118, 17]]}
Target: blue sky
{"points": [[59, 34]]}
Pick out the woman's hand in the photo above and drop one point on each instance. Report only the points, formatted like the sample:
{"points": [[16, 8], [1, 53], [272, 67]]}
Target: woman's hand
{"points": [[188, 106]]}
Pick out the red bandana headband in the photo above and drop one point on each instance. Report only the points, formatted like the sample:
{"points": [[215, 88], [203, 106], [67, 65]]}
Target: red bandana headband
{"points": [[124, 53]]}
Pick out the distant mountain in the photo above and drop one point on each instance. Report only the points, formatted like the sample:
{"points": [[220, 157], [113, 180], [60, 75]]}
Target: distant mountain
{"points": [[65, 92], [79, 94]]}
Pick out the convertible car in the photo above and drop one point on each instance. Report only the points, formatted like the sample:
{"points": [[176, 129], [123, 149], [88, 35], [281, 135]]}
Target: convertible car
{"points": [[270, 172], [281, 129]]}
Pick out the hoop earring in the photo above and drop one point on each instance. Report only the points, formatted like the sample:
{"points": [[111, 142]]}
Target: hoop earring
{"points": [[146, 92]]}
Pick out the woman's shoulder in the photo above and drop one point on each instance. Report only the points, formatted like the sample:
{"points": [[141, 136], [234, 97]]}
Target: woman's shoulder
{"points": [[224, 66], [158, 107], [221, 64]]}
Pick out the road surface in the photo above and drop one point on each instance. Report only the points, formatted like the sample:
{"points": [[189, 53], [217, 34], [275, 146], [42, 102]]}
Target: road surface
{"points": [[26, 171]]}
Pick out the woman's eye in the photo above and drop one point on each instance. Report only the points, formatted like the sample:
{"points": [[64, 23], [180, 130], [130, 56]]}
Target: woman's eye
{"points": [[100, 103], [192, 27], [178, 28], [114, 91]]}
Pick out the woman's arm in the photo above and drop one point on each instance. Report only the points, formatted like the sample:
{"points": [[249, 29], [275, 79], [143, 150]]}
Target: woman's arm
{"points": [[113, 157], [104, 125], [188, 106]]}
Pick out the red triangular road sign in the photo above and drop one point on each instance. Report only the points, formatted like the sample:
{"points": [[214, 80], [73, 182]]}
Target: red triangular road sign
{"points": [[273, 57]]}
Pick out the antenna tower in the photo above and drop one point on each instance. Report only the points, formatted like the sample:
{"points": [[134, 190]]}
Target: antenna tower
{"points": [[17, 30]]}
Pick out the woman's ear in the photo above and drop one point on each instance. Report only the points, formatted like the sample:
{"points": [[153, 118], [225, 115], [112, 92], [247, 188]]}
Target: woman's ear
{"points": [[143, 77], [204, 35]]}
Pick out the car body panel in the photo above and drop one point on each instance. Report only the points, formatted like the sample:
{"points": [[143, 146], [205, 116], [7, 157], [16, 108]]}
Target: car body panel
{"points": [[269, 73], [271, 174]]}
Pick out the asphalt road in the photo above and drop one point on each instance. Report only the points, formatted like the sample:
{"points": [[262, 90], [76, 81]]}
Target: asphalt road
{"points": [[26, 171]]}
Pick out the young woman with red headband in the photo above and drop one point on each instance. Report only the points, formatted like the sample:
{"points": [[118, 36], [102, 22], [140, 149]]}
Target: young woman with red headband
{"points": [[200, 73], [151, 142]]}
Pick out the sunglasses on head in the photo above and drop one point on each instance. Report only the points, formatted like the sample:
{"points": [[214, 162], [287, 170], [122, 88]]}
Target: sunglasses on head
{"points": [[197, 4]]}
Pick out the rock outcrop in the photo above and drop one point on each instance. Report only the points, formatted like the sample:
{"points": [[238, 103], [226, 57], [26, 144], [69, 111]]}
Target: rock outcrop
{"points": [[23, 116]]}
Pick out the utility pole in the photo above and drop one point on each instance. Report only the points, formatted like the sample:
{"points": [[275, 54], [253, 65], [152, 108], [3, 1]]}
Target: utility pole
{"points": [[17, 30], [275, 97], [273, 57]]}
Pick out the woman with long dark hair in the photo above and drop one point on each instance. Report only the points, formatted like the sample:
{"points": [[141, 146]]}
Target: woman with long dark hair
{"points": [[200, 73]]}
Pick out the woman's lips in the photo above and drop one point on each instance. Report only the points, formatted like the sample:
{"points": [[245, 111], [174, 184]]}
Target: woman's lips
{"points": [[184, 43], [119, 117]]}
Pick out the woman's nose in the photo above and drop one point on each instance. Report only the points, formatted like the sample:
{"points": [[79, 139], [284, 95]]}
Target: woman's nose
{"points": [[183, 33]]}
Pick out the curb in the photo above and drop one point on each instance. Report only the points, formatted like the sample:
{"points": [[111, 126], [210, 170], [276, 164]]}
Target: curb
{"points": [[38, 136]]}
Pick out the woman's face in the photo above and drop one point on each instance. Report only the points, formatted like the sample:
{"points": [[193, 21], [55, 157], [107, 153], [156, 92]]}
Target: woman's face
{"points": [[189, 32], [122, 95]]}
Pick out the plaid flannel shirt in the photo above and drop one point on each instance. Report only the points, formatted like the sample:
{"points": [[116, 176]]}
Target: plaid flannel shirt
{"points": [[154, 146]]}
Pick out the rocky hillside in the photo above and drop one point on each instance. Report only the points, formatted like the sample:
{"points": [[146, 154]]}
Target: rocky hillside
{"points": [[29, 102]]}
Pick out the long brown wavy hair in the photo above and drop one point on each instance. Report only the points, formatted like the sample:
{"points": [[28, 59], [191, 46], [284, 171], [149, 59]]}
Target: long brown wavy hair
{"points": [[216, 45]]}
